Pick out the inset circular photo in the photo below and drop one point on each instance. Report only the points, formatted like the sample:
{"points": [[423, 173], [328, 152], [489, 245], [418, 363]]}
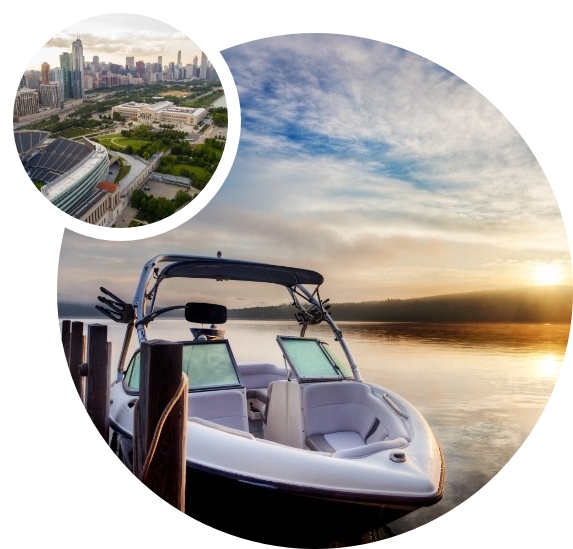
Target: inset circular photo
{"points": [[123, 122]]}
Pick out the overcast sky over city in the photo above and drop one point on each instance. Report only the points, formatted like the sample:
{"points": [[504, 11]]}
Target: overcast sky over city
{"points": [[372, 165], [113, 37]]}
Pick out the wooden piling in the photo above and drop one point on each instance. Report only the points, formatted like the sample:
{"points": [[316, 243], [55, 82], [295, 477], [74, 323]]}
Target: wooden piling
{"points": [[76, 357], [66, 339], [160, 455], [160, 426], [98, 383]]}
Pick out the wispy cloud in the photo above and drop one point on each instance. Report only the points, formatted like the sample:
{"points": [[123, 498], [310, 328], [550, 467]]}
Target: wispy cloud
{"points": [[375, 166], [112, 37]]}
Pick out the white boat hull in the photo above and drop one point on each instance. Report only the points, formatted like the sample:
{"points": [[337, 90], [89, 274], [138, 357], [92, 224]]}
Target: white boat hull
{"points": [[225, 464]]}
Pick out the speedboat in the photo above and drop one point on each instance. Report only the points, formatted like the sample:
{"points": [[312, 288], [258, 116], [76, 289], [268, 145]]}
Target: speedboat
{"points": [[272, 447]]}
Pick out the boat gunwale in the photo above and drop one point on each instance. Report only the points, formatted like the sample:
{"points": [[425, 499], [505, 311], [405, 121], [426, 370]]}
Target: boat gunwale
{"points": [[363, 498]]}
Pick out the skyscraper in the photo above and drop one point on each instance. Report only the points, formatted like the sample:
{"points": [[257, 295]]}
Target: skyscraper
{"points": [[57, 76], [129, 62], [78, 69], [45, 79], [66, 65], [203, 69], [179, 58]]}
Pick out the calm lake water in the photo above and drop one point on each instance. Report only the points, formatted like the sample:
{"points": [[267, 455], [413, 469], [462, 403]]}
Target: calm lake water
{"points": [[481, 387]]}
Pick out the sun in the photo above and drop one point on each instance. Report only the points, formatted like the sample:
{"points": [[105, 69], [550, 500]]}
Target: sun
{"points": [[547, 274]]}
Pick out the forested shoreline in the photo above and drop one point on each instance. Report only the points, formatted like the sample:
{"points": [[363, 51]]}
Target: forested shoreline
{"points": [[537, 304]]}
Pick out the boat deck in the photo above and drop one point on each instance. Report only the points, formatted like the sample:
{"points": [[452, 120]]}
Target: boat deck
{"points": [[256, 427]]}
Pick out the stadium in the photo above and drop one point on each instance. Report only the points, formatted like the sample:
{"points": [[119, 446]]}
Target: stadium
{"points": [[68, 170]]}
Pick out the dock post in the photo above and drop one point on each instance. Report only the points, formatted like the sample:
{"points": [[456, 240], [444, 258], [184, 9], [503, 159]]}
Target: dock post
{"points": [[66, 338], [98, 383], [160, 444], [76, 357]]}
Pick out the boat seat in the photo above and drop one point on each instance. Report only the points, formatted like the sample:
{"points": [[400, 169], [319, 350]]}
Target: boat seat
{"points": [[227, 407], [345, 415], [256, 379], [265, 407]]}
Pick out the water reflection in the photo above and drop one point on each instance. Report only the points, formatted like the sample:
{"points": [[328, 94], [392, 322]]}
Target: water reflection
{"points": [[549, 366], [481, 387], [473, 335]]}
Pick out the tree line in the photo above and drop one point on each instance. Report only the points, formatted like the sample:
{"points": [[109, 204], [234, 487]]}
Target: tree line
{"points": [[538, 304], [551, 304]]}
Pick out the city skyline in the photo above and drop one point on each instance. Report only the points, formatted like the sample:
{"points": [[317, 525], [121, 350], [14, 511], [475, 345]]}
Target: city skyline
{"points": [[114, 37]]}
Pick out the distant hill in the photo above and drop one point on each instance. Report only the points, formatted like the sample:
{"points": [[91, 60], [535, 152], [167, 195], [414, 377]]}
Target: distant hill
{"points": [[78, 310], [536, 304]]}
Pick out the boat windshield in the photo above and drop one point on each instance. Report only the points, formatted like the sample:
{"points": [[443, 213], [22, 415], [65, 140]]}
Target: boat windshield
{"points": [[207, 364], [312, 360]]}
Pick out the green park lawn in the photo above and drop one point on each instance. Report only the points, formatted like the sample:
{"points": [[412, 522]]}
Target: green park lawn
{"points": [[197, 173], [119, 141]]}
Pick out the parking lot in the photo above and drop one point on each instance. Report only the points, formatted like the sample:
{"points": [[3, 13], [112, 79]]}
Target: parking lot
{"points": [[157, 189], [165, 190]]}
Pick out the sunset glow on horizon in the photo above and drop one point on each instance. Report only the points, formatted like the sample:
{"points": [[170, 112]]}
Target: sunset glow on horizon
{"points": [[549, 274]]}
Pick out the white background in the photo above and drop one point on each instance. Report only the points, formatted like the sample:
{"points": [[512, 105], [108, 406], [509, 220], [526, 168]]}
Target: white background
{"points": [[60, 485]]}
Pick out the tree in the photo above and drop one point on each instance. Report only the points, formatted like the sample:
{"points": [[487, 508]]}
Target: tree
{"points": [[181, 198], [221, 120], [137, 198]]}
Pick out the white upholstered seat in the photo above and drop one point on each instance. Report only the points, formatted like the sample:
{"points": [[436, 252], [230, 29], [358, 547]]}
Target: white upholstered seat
{"points": [[342, 415]]}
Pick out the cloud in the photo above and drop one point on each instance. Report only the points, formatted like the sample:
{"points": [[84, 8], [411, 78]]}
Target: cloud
{"points": [[112, 37], [374, 166]]}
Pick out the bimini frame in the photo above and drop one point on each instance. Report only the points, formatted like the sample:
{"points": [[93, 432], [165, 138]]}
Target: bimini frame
{"points": [[141, 311]]}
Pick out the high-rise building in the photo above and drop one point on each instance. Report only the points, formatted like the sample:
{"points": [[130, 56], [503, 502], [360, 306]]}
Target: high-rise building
{"points": [[33, 80], [67, 69], [78, 69], [160, 61], [27, 102], [179, 58], [45, 78], [57, 76], [95, 63], [203, 69], [88, 82], [129, 63], [195, 66], [50, 95], [140, 67]]}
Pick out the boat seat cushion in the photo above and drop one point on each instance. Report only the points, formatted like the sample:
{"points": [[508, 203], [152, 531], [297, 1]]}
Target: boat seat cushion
{"points": [[331, 442], [227, 407], [346, 414], [256, 378]]}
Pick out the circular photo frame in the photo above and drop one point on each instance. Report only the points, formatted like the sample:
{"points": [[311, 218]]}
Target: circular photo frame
{"points": [[125, 126]]}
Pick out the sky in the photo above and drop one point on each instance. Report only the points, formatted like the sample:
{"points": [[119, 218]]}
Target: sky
{"points": [[113, 37], [380, 169]]}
